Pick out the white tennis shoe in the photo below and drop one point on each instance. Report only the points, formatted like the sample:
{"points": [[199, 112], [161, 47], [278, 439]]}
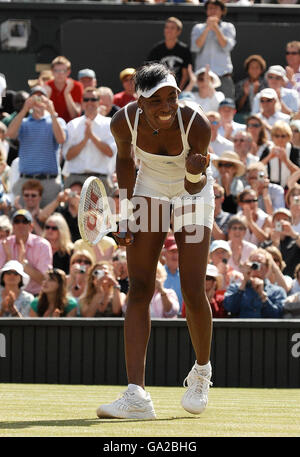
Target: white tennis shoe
{"points": [[135, 403], [195, 398]]}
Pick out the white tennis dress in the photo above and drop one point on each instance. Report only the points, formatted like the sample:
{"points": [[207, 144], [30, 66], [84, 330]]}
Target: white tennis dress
{"points": [[162, 176]]}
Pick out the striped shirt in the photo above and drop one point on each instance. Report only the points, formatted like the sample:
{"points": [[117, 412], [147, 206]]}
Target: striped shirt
{"points": [[39, 151]]}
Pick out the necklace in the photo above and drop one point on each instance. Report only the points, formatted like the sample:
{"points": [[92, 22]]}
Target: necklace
{"points": [[155, 131]]}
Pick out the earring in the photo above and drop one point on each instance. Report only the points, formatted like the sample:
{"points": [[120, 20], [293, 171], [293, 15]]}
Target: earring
{"points": [[140, 110]]}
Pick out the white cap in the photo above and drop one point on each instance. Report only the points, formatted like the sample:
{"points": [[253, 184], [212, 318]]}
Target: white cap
{"points": [[268, 93], [277, 70], [211, 270], [18, 267], [169, 80], [217, 244]]}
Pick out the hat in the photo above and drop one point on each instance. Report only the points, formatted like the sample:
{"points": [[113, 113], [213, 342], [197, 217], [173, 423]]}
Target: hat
{"points": [[268, 93], [16, 266], [167, 81], [127, 72], [36, 89], [277, 70], [219, 244], [227, 102], [24, 213], [211, 270], [86, 73], [46, 75], [295, 124], [232, 157], [170, 243], [215, 78], [283, 211]]}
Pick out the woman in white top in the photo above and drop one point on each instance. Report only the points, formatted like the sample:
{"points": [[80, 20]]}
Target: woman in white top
{"points": [[240, 248], [292, 199], [206, 96], [171, 144]]}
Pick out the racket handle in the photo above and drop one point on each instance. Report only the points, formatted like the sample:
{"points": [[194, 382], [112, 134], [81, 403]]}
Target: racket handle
{"points": [[123, 238]]}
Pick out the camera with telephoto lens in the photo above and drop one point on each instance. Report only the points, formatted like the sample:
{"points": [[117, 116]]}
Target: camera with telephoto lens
{"points": [[261, 176], [255, 266], [98, 274]]}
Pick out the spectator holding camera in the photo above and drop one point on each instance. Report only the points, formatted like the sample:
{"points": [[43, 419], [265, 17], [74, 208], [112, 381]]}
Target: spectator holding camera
{"points": [[256, 296], [270, 196], [57, 232], [277, 266], [80, 263], [219, 256], [103, 296], [40, 134]]}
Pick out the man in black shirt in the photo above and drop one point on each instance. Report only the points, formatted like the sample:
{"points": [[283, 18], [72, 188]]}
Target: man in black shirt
{"points": [[173, 53]]}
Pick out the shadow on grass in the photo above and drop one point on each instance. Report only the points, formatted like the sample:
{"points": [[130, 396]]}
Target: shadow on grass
{"points": [[79, 422]]}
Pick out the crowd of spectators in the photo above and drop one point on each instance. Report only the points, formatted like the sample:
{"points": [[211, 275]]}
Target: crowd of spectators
{"points": [[56, 132]]}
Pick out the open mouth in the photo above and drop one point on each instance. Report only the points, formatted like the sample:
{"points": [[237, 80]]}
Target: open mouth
{"points": [[165, 118]]}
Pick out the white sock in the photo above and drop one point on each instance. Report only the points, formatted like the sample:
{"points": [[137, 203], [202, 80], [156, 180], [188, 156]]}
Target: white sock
{"points": [[206, 367], [138, 388]]}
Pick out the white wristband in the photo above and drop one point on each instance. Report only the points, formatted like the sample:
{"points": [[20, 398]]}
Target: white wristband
{"points": [[193, 178]]}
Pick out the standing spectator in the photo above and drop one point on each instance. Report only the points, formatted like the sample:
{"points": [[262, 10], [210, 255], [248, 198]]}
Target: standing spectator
{"points": [[32, 251], [213, 41], [87, 77], [221, 218], [90, 148], [270, 196], [218, 144], [288, 98], [106, 102], [14, 301], [171, 266], [53, 300], [172, 52], [57, 232], [40, 135], [44, 77], [240, 248], [255, 126], [256, 296], [282, 159], [65, 93], [247, 88], [292, 55], [128, 94], [228, 127]]}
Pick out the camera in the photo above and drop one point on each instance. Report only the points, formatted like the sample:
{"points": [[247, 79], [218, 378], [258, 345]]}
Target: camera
{"points": [[278, 226], [225, 261], [98, 274], [82, 269], [297, 199], [261, 176], [72, 194], [255, 266]]}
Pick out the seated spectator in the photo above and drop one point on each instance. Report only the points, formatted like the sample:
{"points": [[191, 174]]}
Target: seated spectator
{"points": [[90, 149], [57, 232], [40, 135], [128, 94], [121, 270], [242, 141], [282, 159], [256, 296], [66, 203], [221, 218], [14, 301], [270, 196], [293, 203], [295, 127], [164, 302], [291, 306], [260, 137], [218, 144], [288, 98], [206, 82], [87, 77], [296, 281], [219, 255], [53, 300], [277, 266], [80, 264], [270, 109], [104, 250], [32, 251], [106, 102], [247, 88], [64, 92], [285, 239], [292, 55], [240, 248], [259, 223], [103, 297], [228, 127], [5, 227], [170, 252], [32, 192], [230, 169]]}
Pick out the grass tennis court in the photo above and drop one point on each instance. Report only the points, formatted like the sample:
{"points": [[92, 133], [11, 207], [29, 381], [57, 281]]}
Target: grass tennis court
{"points": [[32, 410]]}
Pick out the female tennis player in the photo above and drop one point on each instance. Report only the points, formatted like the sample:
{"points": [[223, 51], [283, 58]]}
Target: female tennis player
{"points": [[171, 143]]}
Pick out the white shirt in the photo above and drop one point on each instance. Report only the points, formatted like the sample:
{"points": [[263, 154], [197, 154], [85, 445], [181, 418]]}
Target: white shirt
{"points": [[90, 159], [279, 172], [2, 87], [236, 127], [209, 103], [290, 98], [277, 116]]}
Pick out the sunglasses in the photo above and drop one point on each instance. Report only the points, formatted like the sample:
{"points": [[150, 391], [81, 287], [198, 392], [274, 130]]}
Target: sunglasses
{"points": [[218, 196], [91, 99], [291, 53], [250, 200], [225, 165], [255, 126], [59, 71], [266, 100], [239, 140], [51, 227], [85, 262], [21, 221], [276, 135], [29, 195], [214, 122], [274, 77]]}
